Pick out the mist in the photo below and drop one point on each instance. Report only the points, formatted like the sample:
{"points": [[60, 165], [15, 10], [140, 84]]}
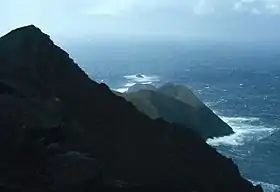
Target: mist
{"points": [[85, 20]]}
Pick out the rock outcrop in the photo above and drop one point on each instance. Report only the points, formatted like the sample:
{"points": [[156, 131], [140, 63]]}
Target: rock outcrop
{"points": [[138, 87], [61, 131], [178, 104]]}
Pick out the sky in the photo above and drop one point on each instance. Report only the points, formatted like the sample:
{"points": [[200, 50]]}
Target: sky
{"points": [[180, 19]]}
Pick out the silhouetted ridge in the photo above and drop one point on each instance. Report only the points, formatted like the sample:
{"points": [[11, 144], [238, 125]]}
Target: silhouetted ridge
{"points": [[61, 131], [35, 60], [26, 30]]}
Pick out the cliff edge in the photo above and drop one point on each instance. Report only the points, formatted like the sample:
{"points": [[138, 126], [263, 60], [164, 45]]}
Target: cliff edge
{"points": [[61, 131]]}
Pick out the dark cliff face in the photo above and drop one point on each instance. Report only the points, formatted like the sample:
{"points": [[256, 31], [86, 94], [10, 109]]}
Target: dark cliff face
{"points": [[178, 104], [61, 131]]}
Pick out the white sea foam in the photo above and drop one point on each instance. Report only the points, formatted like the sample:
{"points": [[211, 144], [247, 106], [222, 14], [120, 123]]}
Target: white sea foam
{"points": [[147, 83], [210, 103], [137, 79], [129, 84], [267, 187], [125, 87], [122, 90], [142, 78], [237, 120], [245, 131]]}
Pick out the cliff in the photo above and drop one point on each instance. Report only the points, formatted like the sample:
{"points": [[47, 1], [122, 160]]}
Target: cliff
{"points": [[61, 131], [178, 104]]}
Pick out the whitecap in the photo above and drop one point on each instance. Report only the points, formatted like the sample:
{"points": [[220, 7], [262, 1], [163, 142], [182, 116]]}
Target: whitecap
{"points": [[147, 83], [143, 79], [129, 84], [137, 79], [121, 90], [236, 120], [244, 131]]}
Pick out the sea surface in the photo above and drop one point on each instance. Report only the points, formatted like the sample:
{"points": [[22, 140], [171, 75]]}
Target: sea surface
{"points": [[240, 82]]}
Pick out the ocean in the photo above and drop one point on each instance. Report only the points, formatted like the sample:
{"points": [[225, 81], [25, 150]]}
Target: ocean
{"points": [[239, 81]]}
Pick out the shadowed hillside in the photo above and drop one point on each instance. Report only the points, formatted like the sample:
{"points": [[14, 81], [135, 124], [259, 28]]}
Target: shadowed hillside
{"points": [[178, 104], [61, 131]]}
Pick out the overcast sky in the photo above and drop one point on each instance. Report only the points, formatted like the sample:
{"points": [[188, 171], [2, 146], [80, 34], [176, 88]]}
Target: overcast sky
{"points": [[77, 19]]}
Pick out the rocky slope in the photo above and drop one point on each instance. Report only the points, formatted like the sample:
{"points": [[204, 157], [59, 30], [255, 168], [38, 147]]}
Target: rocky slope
{"points": [[178, 104], [138, 87], [61, 131]]}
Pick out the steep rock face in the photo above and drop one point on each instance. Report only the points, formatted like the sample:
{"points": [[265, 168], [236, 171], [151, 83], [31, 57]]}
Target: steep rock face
{"points": [[181, 93], [60, 124], [178, 104]]}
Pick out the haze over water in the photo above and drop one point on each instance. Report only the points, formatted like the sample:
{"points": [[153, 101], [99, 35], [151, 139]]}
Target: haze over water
{"points": [[226, 51]]}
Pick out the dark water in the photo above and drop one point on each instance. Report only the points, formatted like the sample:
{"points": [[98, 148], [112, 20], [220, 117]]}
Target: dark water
{"points": [[240, 82]]}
